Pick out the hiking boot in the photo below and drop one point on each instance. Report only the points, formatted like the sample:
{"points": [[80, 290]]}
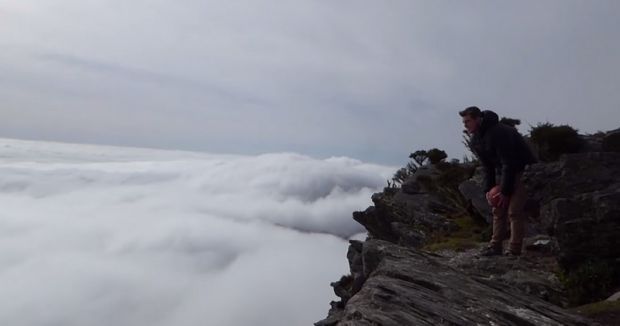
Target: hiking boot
{"points": [[491, 251], [512, 253]]}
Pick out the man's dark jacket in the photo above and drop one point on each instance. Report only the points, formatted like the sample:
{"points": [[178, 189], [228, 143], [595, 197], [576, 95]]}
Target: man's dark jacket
{"points": [[500, 147]]}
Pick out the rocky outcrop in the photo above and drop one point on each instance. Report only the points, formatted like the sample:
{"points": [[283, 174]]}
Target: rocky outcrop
{"points": [[386, 220], [602, 141], [574, 214], [611, 141], [580, 205], [404, 286], [409, 216]]}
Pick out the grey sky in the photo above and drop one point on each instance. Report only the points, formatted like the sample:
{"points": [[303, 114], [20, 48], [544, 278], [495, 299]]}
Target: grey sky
{"points": [[373, 80]]}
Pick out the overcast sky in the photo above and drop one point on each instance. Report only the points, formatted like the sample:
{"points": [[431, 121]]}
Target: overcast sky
{"points": [[372, 80]]}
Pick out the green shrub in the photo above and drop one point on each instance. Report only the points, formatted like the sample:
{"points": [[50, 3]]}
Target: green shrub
{"points": [[433, 155], [589, 282], [465, 236], [436, 155], [552, 141], [611, 143]]}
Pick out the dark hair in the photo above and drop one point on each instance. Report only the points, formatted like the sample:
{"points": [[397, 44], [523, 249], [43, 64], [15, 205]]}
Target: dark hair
{"points": [[472, 111]]}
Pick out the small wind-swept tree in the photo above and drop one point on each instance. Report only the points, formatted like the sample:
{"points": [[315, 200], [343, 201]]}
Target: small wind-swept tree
{"points": [[436, 155], [419, 157], [417, 160], [467, 142]]}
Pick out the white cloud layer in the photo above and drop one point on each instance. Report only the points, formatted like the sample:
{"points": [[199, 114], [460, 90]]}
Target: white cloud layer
{"points": [[122, 236]]}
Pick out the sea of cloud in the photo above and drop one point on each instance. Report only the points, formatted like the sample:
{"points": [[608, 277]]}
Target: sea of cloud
{"points": [[94, 235]]}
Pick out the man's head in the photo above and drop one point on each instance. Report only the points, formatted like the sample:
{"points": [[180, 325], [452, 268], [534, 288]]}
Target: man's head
{"points": [[472, 118]]}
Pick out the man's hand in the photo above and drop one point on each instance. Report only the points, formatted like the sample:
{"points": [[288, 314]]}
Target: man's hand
{"points": [[503, 201], [497, 200], [489, 198]]}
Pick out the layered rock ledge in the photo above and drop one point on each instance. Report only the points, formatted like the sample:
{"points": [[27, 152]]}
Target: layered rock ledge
{"points": [[403, 286], [573, 239]]}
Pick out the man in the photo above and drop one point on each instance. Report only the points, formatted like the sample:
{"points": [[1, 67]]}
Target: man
{"points": [[501, 150]]}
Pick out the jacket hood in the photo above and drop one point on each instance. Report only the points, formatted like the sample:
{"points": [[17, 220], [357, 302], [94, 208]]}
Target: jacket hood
{"points": [[489, 119]]}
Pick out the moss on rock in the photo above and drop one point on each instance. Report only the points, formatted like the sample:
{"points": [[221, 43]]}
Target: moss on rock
{"points": [[466, 236]]}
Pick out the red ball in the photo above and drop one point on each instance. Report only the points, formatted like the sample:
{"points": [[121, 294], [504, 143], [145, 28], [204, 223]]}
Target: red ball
{"points": [[493, 196]]}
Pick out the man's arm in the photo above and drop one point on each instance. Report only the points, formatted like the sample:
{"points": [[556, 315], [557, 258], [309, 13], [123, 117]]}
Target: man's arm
{"points": [[489, 174], [505, 152], [487, 165]]}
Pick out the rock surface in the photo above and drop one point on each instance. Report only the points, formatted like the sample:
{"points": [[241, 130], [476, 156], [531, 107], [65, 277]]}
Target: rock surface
{"points": [[614, 297], [405, 286], [580, 205], [402, 218]]}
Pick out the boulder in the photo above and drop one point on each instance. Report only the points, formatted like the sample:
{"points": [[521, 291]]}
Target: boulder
{"points": [[474, 193], [402, 218], [614, 297], [580, 205], [573, 174], [587, 226]]}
